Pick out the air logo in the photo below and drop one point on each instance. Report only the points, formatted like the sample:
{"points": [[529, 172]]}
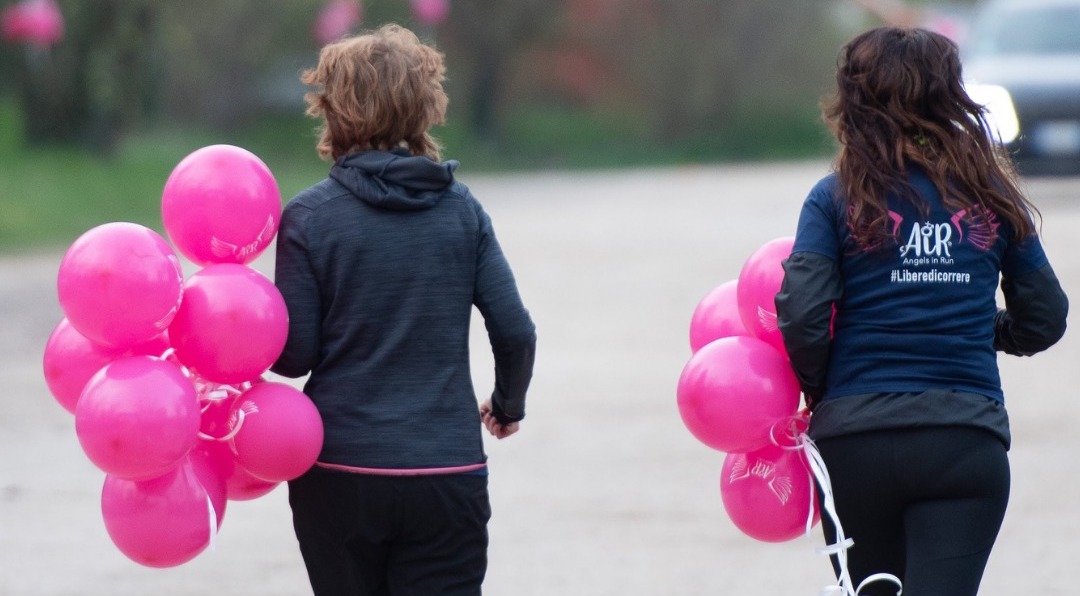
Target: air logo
{"points": [[928, 240]]}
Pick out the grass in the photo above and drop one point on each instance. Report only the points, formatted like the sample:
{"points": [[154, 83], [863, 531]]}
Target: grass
{"points": [[551, 137], [51, 195], [547, 136]]}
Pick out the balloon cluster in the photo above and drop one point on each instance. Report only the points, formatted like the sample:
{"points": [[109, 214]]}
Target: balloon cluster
{"points": [[164, 375], [738, 394]]}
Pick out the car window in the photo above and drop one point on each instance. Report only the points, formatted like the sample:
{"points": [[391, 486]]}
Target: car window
{"points": [[1044, 30]]}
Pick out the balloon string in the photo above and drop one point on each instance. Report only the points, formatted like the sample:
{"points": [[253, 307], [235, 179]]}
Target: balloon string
{"points": [[241, 414], [236, 428], [213, 522], [794, 428], [842, 543], [209, 393]]}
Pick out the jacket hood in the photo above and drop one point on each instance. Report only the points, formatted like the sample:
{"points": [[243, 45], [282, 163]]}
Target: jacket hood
{"points": [[394, 180]]}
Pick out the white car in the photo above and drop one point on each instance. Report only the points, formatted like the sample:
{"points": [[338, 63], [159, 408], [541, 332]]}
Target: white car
{"points": [[1021, 59]]}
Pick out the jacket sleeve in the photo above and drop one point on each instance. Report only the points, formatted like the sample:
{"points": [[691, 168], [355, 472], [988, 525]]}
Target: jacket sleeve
{"points": [[1034, 315], [804, 309], [295, 279], [510, 328]]}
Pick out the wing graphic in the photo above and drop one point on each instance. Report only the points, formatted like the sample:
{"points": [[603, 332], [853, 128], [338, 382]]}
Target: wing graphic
{"points": [[781, 487], [767, 319], [982, 226], [220, 248], [738, 469]]}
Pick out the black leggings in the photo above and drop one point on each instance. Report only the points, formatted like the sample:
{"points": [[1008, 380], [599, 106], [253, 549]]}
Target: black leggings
{"points": [[924, 504], [369, 535]]}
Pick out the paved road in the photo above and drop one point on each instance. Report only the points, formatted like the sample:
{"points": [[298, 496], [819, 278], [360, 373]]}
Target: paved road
{"points": [[603, 492]]}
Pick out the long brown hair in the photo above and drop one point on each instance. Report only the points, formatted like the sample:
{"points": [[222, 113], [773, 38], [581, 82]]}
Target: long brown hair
{"points": [[379, 90], [900, 101]]}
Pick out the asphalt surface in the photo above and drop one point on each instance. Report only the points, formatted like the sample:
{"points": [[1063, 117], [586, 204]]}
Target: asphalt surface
{"points": [[603, 491]]}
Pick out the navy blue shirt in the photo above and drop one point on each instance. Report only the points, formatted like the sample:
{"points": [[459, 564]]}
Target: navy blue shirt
{"points": [[918, 313]]}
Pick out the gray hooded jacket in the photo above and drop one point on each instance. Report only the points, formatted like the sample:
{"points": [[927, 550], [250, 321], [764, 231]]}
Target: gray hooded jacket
{"points": [[380, 266]]}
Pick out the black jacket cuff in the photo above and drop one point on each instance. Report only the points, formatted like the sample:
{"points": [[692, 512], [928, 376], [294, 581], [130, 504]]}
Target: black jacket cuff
{"points": [[1034, 315], [500, 416]]}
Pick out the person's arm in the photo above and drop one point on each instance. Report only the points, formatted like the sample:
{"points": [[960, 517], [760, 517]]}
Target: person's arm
{"points": [[510, 328], [295, 279], [1034, 315], [804, 309]]}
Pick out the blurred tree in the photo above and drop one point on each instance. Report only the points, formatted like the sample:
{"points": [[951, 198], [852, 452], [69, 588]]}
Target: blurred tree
{"points": [[948, 18], [125, 62], [220, 54], [97, 80], [706, 64], [675, 69], [484, 42]]}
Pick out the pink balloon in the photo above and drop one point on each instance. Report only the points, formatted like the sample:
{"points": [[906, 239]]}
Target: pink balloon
{"points": [[160, 522], [430, 12], [71, 360], [232, 324], [155, 346], [716, 316], [215, 449], [120, 284], [769, 494], [38, 22], [214, 421], [240, 485], [217, 489], [137, 417], [335, 20], [759, 281], [733, 391], [281, 433], [221, 204]]}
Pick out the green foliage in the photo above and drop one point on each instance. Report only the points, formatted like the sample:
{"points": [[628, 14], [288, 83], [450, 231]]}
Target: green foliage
{"points": [[765, 134], [538, 136], [50, 195], [543, 136], [531, 83]]}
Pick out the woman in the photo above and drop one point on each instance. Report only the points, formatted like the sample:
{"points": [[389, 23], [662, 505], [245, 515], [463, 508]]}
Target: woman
{"points": [[380, 265], [906, 242]]}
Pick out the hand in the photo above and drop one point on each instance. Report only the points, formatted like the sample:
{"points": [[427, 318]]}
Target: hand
{"points": [[497, 430]]}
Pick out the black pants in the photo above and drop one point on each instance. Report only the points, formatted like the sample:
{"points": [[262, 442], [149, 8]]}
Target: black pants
{"points": [[368, 535], [922, 504]]}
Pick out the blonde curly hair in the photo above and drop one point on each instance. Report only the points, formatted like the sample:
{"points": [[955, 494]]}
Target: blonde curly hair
{"points": [[379, 90]]}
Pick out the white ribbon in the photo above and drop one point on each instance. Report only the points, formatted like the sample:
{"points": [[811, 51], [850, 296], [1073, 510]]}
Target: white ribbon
{"points": [[211, 393], [213, 522], [842, 543]]}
